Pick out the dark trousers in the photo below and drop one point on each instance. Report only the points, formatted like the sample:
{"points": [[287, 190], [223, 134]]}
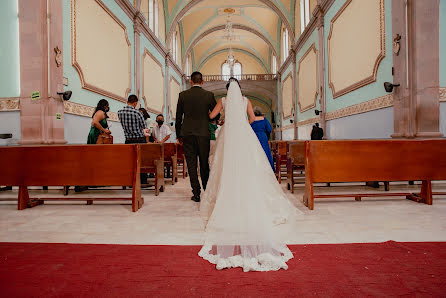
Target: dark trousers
{"points": [[197, 147], [139, 141]]}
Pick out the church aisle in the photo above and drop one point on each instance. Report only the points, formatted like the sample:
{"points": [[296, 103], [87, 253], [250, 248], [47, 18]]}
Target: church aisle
{"points": [[173, 219]]}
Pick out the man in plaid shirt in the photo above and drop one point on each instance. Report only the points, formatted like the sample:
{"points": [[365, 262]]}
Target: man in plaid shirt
{"points": [[132, 121]]}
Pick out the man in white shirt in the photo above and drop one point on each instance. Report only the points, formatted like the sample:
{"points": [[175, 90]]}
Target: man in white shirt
{"points": [[160, 132]]}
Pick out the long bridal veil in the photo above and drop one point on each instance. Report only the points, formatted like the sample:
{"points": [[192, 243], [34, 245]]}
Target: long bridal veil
{"points": [[243, 202]]}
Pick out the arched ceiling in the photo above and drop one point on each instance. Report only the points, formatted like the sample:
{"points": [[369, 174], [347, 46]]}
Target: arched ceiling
{"points": [[201, 23]]}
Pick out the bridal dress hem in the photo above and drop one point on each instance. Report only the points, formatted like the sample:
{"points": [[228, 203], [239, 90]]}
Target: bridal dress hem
{"points": [[248, 215], [262, 262]]}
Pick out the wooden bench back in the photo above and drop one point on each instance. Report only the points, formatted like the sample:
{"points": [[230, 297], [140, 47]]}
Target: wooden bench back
{"points": [[180, 150], [282, 148], [150, 153], [170, 149], [375, 160], [296, 151], [68, 165]]}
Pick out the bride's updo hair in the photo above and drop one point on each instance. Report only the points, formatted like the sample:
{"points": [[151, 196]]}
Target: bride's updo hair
{"points": [[232, 79]]}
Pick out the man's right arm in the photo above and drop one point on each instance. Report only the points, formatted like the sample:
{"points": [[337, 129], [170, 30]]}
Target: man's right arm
{"points": [[179, 115]]}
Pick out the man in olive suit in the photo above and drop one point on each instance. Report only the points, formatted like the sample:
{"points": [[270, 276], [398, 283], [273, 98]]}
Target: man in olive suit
{"points": [[192, 129]]}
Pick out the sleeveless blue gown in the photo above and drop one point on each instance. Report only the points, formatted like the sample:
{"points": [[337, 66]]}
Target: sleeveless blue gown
{"points": [[261, 129]]}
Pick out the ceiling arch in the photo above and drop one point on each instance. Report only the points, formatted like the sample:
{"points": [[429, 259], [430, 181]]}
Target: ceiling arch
{"points": [[215, 53], [206, 33], [283, 13]]}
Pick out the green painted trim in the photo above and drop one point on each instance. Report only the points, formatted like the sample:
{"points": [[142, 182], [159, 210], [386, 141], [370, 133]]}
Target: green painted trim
{"points": [[192, 57], [279, 39], [198, 30], [260, 27], [208, 51], [235, 50], [180, 26]]}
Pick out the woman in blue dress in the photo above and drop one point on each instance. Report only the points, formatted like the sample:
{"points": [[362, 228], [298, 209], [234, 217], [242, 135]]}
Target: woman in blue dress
{"points": [[262, 128]]}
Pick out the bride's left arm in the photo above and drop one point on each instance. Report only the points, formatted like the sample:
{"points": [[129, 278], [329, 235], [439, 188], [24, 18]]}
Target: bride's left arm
{"points": [[250, 112], [216, 110]]}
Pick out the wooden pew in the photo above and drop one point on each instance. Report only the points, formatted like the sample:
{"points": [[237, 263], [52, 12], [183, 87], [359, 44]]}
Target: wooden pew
{"points": [[280, 158], [171, 159], [152, 161], [181, 160], [295, 161], [374, 160], [115, 165]]}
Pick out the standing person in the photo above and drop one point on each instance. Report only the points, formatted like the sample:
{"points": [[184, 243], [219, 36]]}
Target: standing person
{"points": [[99, 123], [132, 121], [148, 122], [160, 132], [317, 133], [262, 128], [247, 212], [192, 129]]}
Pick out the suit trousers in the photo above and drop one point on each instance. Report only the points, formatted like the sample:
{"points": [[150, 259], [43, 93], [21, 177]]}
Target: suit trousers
{"points": [[197, 147]]}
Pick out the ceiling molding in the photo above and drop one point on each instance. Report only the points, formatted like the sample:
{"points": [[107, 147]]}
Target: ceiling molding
{"points": [[235, 26], [192, 3], [203, 62]]}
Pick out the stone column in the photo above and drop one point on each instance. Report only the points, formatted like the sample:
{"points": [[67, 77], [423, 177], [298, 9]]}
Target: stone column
{"points": [[167, 88], [295, 106], [137, 36], [416, 69], [320, 25], [41, 70]]}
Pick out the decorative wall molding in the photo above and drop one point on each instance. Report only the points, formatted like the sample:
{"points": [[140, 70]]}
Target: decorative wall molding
{"points": [[308, 121], [9, 104], [311, 50], [372, 77], [85, 111], [442, 92], [74, 57], [363, 107], [152, 109], [286, 127], [289, 78]]}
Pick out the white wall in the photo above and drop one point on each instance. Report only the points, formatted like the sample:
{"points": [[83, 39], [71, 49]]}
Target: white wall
{"points": [[304, 132], [371, 125], [78, 127], [10, 123], [288, 134]]}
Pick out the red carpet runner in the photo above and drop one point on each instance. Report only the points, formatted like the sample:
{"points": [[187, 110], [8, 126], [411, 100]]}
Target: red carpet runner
{"points": [[87, 270]]}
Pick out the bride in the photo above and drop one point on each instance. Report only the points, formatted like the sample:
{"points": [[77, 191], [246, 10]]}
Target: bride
{"points": [[243, 204]]}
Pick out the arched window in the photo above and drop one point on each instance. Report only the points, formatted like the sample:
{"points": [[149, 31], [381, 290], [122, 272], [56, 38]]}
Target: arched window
{"points": [[153, 16], [304, 14], [238, 70], [285, 44], [225, 71], [188, 68], [175, 47], [274, 65]]}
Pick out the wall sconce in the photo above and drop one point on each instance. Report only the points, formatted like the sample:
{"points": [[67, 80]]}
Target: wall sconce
{"points": [[291, 120], [317, 112], [65, 95], [389, 86]]}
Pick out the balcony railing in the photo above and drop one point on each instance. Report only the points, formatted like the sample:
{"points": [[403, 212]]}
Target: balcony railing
{"points": [[248, 77]]}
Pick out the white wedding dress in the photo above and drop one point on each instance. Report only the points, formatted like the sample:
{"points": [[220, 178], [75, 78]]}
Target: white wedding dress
{"points": [[245, 207]]}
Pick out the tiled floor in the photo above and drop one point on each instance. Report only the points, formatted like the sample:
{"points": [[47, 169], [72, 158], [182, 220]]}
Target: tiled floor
{"points": [[172, 218]]}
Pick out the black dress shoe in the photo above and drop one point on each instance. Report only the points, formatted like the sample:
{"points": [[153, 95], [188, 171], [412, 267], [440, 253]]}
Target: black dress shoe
{"points": [[195, 199]]}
